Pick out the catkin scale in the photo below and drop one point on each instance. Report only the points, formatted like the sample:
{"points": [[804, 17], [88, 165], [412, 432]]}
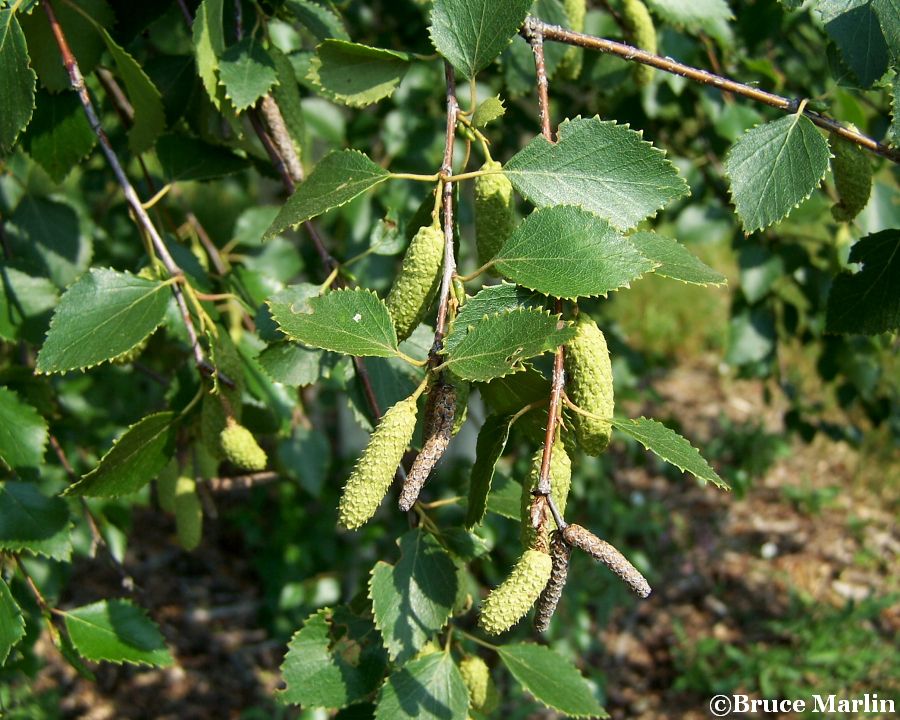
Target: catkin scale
{"points": [[560, 482], [510, 601], [416, 284], [476, 675], [852, 178], [642, 34], [551, 594], [569, 67], [585, 540], [240, 447], [589, 384], [376, 466], [495, 215], [440, 411]]}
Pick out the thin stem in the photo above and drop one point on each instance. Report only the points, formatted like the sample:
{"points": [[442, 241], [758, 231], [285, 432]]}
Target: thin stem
{"points": [[704, 77], [475, 273], [241, 482], [534, 33], [581, 411], [418, 177], [29, 581], [76, 80], [476, 640]]}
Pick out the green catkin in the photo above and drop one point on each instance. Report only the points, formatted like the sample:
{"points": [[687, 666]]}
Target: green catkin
{"points": [[852, 178], [589, 384], [166, 483], [375, 468], [483, 695], [569, 67], [510, 601], [240, 447], [560, 482], [417, 282], [495, 215], [641, 33], [188, 513]]}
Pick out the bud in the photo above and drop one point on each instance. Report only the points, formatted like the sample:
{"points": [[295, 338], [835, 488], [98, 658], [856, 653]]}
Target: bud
{"points": [[852, 178], [375, 468], [511, 600], [549, 599], [589, 384], [240, 447], [560, 482], [440, 410], [417, 282], [495, 215], [188, 513], [641, 33], [601, 550], [476, 675]]}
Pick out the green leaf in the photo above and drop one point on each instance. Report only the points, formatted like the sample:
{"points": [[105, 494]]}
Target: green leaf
{"points": [[893, 134], [604, 167], [505, 499], [428, 688], [338, 178], [26, 304], [551, 678], [47, 239], [868, 302], [247, 72], [471, 33], [319, 20], [489, 449], [187, 158], [77, 23], [137, 457], [29, 520], [496, 345], [709, 16], [17, 80], [674, 260], [209, 44], [670, 446], [488, 111], [773, 168], [116, 631], [59, 136], [490, 300], [286, 94], [292, 364], [329, 663], [412, 600], [12, 623], [23, 432], [568, 252], [356, 75], [855, 28], [353, 322], [149, 115], [103, 315], [888, 12]]}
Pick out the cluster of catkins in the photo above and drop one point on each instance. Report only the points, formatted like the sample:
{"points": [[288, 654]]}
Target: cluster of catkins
{"points": [[540, 573]]}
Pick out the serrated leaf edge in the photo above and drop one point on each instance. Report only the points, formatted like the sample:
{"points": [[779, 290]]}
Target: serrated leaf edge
{"points": [[312, 74], [18, 399]]}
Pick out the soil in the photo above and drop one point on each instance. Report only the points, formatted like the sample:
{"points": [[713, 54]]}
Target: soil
{"points": [[737, 566]]}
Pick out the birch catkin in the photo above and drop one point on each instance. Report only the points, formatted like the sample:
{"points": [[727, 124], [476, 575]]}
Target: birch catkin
{"points": [[417, 282], [585, 540], [440, 410], [495, 216], [510, 601], [549, 599], [375, 468], [476, 675], [560, 482], [240, 447], [589, 384], [642, 34]]}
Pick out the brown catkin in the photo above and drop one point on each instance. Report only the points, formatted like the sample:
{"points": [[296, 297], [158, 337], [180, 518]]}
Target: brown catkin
{"points": [[560, 482], [375, 468], [549, 599], [417, 282], [495, 215], [510, 601], [585, 540], [852, 178], [589, 384], [440, 410], [641, 33]]}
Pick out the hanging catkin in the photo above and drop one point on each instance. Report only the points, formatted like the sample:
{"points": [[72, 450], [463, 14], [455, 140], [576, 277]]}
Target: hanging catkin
{"points": [[440, 410], [510, 601], [585, 540], [549, 599]]}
